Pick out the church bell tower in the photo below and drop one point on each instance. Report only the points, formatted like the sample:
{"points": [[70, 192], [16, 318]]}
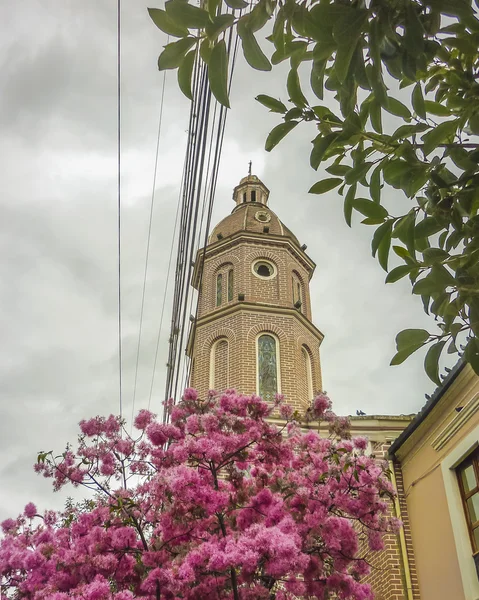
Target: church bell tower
{"points": [[254, 329]]}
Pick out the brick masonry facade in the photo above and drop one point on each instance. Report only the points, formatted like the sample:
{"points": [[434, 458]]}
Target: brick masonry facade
{"points": [[237, 304]]}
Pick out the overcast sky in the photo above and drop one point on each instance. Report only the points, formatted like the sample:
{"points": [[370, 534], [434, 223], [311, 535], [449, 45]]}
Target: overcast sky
{"points": [[58, 261]]}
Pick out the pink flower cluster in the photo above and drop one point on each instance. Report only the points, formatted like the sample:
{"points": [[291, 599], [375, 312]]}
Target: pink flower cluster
{"points": [[217, 503]]}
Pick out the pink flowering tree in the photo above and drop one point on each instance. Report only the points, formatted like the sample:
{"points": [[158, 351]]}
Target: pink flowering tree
{"points": [[230, 500]]}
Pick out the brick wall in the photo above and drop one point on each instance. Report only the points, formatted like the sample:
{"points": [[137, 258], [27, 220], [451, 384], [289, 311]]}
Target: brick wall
{"points": [[388, 573]]}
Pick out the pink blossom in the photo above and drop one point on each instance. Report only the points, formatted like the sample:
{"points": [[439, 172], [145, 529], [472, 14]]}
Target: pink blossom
{"points": [[143, 419], [30, 510], [215, 489], [156, 434], [361, 443]]}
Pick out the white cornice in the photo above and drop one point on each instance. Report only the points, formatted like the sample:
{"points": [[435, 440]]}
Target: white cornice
{"points": [[456, 424]]}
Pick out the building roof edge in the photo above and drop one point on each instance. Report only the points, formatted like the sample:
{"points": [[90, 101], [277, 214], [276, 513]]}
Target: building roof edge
{"points": [[427, 408]]}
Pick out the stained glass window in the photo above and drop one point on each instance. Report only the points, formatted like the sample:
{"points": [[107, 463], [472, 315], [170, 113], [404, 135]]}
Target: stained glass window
{"points": [[219, 289], [230, 285], [267, 367]]}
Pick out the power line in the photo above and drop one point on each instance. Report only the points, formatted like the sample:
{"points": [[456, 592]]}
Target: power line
{"points": [[140, 329], [119, 203], [190, 232], [160, 328]]}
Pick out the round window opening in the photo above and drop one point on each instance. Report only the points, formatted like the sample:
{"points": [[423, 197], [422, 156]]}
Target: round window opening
{"points": [[263, 216], [264, 269]]}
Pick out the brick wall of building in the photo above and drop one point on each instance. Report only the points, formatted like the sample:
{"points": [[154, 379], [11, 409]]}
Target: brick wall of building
{"points": [[388, 573], [241, 329]]}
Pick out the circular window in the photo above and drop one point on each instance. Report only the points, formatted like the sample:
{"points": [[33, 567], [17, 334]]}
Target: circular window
{"points": [[262, 216], [264, 269]]}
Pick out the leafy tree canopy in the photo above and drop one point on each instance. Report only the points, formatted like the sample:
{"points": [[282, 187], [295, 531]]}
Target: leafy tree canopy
{"points": [[352, 63], [219, 503]]}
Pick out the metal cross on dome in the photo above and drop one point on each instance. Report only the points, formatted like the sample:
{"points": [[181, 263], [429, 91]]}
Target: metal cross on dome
{"points": [[250, 165]]}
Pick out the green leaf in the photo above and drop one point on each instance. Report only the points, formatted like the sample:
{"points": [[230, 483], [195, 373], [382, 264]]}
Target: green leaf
{"points": [[398, 273], [438, 279], [370, 209], [471, 354], [347, 30], [348, 204], [218, 73], [278, 133], [431, 362], [320, 144], [163, 22], [274, 105], [325, 185], [427, 227], [238, 4], [418, 101], [395, 107], [375, 116], [185, 72], [382, 237], [406, 131], [395, 170], [294, 89], [358, 172], [205, 50], [441, 133], [337, 169], [185, 14], [375, 184], [220, 23], [253, 54], [435, 108], [411, 337], [317, 77], [173, 54], [433, 256], [379, 234], [407, 342]]}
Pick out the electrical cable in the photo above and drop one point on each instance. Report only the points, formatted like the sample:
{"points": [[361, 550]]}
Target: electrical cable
{"points": [[192, 228], [160, 328], [119, 203], [155, 171]]}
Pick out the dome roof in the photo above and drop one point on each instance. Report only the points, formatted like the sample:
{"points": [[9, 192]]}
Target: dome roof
{"points": [[254, 218]]}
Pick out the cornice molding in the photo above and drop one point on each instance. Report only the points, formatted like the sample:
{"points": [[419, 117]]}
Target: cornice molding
{"points": [[266, 240], [255, 308], [470, 409]]}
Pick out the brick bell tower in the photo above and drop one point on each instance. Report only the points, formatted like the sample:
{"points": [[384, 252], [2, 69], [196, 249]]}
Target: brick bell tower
{"points": [[254, 331]]}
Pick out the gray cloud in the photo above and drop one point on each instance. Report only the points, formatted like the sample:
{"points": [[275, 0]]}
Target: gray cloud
{"points": [[58, 269]]}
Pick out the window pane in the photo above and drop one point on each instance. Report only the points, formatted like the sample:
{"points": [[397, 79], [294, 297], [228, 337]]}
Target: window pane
{"points": [[475, 535], [219, 289], [468, 478], [230, 285], [267, 367], [473, 507]]}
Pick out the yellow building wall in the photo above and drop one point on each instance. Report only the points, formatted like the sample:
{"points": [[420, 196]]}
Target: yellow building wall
{"points": [[438, 524]]}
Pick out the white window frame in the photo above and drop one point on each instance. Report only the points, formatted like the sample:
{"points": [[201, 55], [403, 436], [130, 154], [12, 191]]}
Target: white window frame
{"points": [[265, 261], [470, 580], [278, 359]]}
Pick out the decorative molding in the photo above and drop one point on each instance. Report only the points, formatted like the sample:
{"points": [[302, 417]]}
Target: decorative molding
{"points": [[255, 307], [456, 424]]}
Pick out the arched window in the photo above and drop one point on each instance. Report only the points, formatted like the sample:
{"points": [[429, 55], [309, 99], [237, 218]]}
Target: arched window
{"points": [[219, 365], [219, 289], [267, 366], [298, 296], [230, 285], [308, 371]]}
